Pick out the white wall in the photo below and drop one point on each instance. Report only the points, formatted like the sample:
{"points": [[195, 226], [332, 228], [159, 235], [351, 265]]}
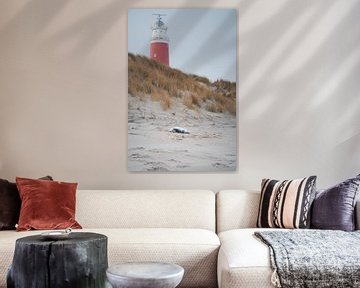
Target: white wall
{"points": [[63, 92]]}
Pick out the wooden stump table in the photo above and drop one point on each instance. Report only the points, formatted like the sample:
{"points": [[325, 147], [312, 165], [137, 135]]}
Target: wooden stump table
{"points": [[78, 261]]}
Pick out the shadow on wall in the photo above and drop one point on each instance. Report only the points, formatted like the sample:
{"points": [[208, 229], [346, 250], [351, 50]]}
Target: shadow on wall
{"points": [[276, 41], [306, 51], [297, 68], [47, 86], [88, 31], [46, 11]]}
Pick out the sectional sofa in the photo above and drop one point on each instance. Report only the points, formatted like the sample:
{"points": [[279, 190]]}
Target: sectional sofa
{"points": [[210, 235]]}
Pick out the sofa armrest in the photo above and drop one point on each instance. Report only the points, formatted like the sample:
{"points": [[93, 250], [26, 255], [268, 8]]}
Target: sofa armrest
{"points": [[357, 215]]}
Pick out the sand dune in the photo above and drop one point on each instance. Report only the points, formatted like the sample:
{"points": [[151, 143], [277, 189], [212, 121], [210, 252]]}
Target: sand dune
{"points": [[210, 146]]}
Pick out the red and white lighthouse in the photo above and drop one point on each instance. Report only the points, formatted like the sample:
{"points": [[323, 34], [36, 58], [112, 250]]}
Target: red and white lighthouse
{"points": [[159, 44]]}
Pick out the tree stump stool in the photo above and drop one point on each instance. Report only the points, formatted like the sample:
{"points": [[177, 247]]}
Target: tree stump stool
{"points": [[79, 261]]}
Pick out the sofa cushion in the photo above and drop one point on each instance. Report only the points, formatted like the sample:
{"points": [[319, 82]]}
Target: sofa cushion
{"points": [[194, 249], [153, 209], [244, 261], [334, 208], [286, 204], [46, 204]]}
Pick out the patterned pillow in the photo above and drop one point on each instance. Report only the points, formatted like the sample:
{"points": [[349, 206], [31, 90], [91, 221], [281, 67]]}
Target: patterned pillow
{"points": [[286, 204]]}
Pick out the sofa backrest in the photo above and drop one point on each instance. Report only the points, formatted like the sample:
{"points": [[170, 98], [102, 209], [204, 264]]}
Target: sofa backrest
{"points": [[146, 209], [236, 209], [239, 209]]}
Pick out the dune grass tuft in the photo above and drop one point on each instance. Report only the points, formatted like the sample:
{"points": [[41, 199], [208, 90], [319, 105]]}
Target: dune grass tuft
{"points": [[163, 83]]}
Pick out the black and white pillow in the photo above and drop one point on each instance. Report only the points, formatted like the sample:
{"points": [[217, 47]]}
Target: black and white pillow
{"points": [[286, 204]]}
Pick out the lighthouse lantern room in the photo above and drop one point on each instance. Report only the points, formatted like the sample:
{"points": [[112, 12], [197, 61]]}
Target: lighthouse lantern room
{"points": [[159, 44]]}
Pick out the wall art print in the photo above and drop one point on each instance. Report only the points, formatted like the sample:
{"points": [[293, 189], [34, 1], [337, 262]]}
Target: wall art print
{"points": [[182, 90]]}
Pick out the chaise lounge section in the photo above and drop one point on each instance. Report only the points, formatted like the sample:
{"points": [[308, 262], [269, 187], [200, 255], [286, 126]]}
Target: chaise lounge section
{"points": [[244, 260]]}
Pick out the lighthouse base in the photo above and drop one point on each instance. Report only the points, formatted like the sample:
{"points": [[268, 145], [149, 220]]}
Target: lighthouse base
{"points": [[159, 51]]}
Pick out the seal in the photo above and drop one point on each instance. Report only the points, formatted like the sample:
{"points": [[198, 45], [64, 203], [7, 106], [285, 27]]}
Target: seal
{"points": [[179, 130]]}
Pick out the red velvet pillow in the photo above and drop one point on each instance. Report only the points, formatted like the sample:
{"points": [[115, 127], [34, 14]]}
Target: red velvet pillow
{"points": [[10, 204], [46, 204]]}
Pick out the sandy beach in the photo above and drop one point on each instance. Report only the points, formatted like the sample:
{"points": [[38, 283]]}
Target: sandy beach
{"points": [[210, 146]]}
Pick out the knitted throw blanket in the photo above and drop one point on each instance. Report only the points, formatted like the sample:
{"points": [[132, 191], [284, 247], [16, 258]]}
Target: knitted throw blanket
{"points": [[313, 258]]}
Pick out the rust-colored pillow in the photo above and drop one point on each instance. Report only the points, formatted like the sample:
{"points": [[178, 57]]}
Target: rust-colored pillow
{"points": [[46, 204], [10, 204]]}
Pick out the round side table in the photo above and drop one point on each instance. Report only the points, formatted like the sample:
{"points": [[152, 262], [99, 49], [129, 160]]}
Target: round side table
{"points": [[145, 275]]}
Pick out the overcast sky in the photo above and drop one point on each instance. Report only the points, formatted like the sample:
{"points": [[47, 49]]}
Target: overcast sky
{"points": [[202, 41]]}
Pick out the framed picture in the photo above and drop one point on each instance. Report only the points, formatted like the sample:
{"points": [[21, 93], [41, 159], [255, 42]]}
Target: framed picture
{"points": [[182, 90]]}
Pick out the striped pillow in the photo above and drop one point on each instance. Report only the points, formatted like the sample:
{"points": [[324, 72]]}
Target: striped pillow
{"points": [[286, 204]]}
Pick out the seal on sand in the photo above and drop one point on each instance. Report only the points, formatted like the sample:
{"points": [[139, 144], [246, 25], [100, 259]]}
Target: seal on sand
{"points": [[179, 130]]}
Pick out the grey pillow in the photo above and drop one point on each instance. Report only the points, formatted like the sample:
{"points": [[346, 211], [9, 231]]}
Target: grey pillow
{"points": [[334, 208]]}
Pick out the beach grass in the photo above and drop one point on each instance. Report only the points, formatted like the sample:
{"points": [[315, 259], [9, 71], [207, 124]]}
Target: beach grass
{"points": [[163, 83]]}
